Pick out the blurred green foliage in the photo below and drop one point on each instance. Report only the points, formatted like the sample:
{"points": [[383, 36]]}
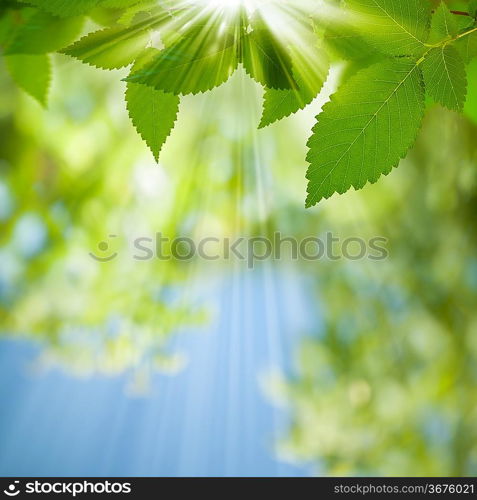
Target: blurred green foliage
{"points": [[387, 385], [69, 178]]}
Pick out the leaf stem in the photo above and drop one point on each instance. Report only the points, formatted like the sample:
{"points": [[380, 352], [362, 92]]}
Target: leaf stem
{"points": [[462, 35], [445, 42], [460, 13]]}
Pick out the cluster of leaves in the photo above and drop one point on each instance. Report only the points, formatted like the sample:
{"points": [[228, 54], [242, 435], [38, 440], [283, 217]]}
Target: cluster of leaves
{"points": [[173, 50], [374, 118], [199, 50]]}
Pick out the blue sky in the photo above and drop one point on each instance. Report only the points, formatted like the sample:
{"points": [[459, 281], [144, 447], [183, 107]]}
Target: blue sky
{"points": [[212, 419]]}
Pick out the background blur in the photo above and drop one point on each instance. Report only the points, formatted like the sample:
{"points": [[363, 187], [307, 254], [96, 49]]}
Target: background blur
{"points": [[209, 368]]}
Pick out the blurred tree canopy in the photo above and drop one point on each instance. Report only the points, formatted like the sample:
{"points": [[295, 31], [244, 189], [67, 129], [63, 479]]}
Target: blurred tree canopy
{"points": [[387, 385]]}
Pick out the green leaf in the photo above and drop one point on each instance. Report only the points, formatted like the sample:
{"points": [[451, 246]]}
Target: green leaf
{"points": [[470, 108], [266, 60], [152, 112], [394, 27], [198, 62], [8, 28], [463, 22], [120, 4], [43, 33], [344, 42], [113, 48], [32, 73], [144, 8], [65, 8], [444, 24], [310, 70], [366, 128], [467, 46], [445, 77], [473, 8]]}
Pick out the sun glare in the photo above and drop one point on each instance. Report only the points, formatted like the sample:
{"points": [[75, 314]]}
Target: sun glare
{"points": [[231, 5], [287, 20], [278, 14]]}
